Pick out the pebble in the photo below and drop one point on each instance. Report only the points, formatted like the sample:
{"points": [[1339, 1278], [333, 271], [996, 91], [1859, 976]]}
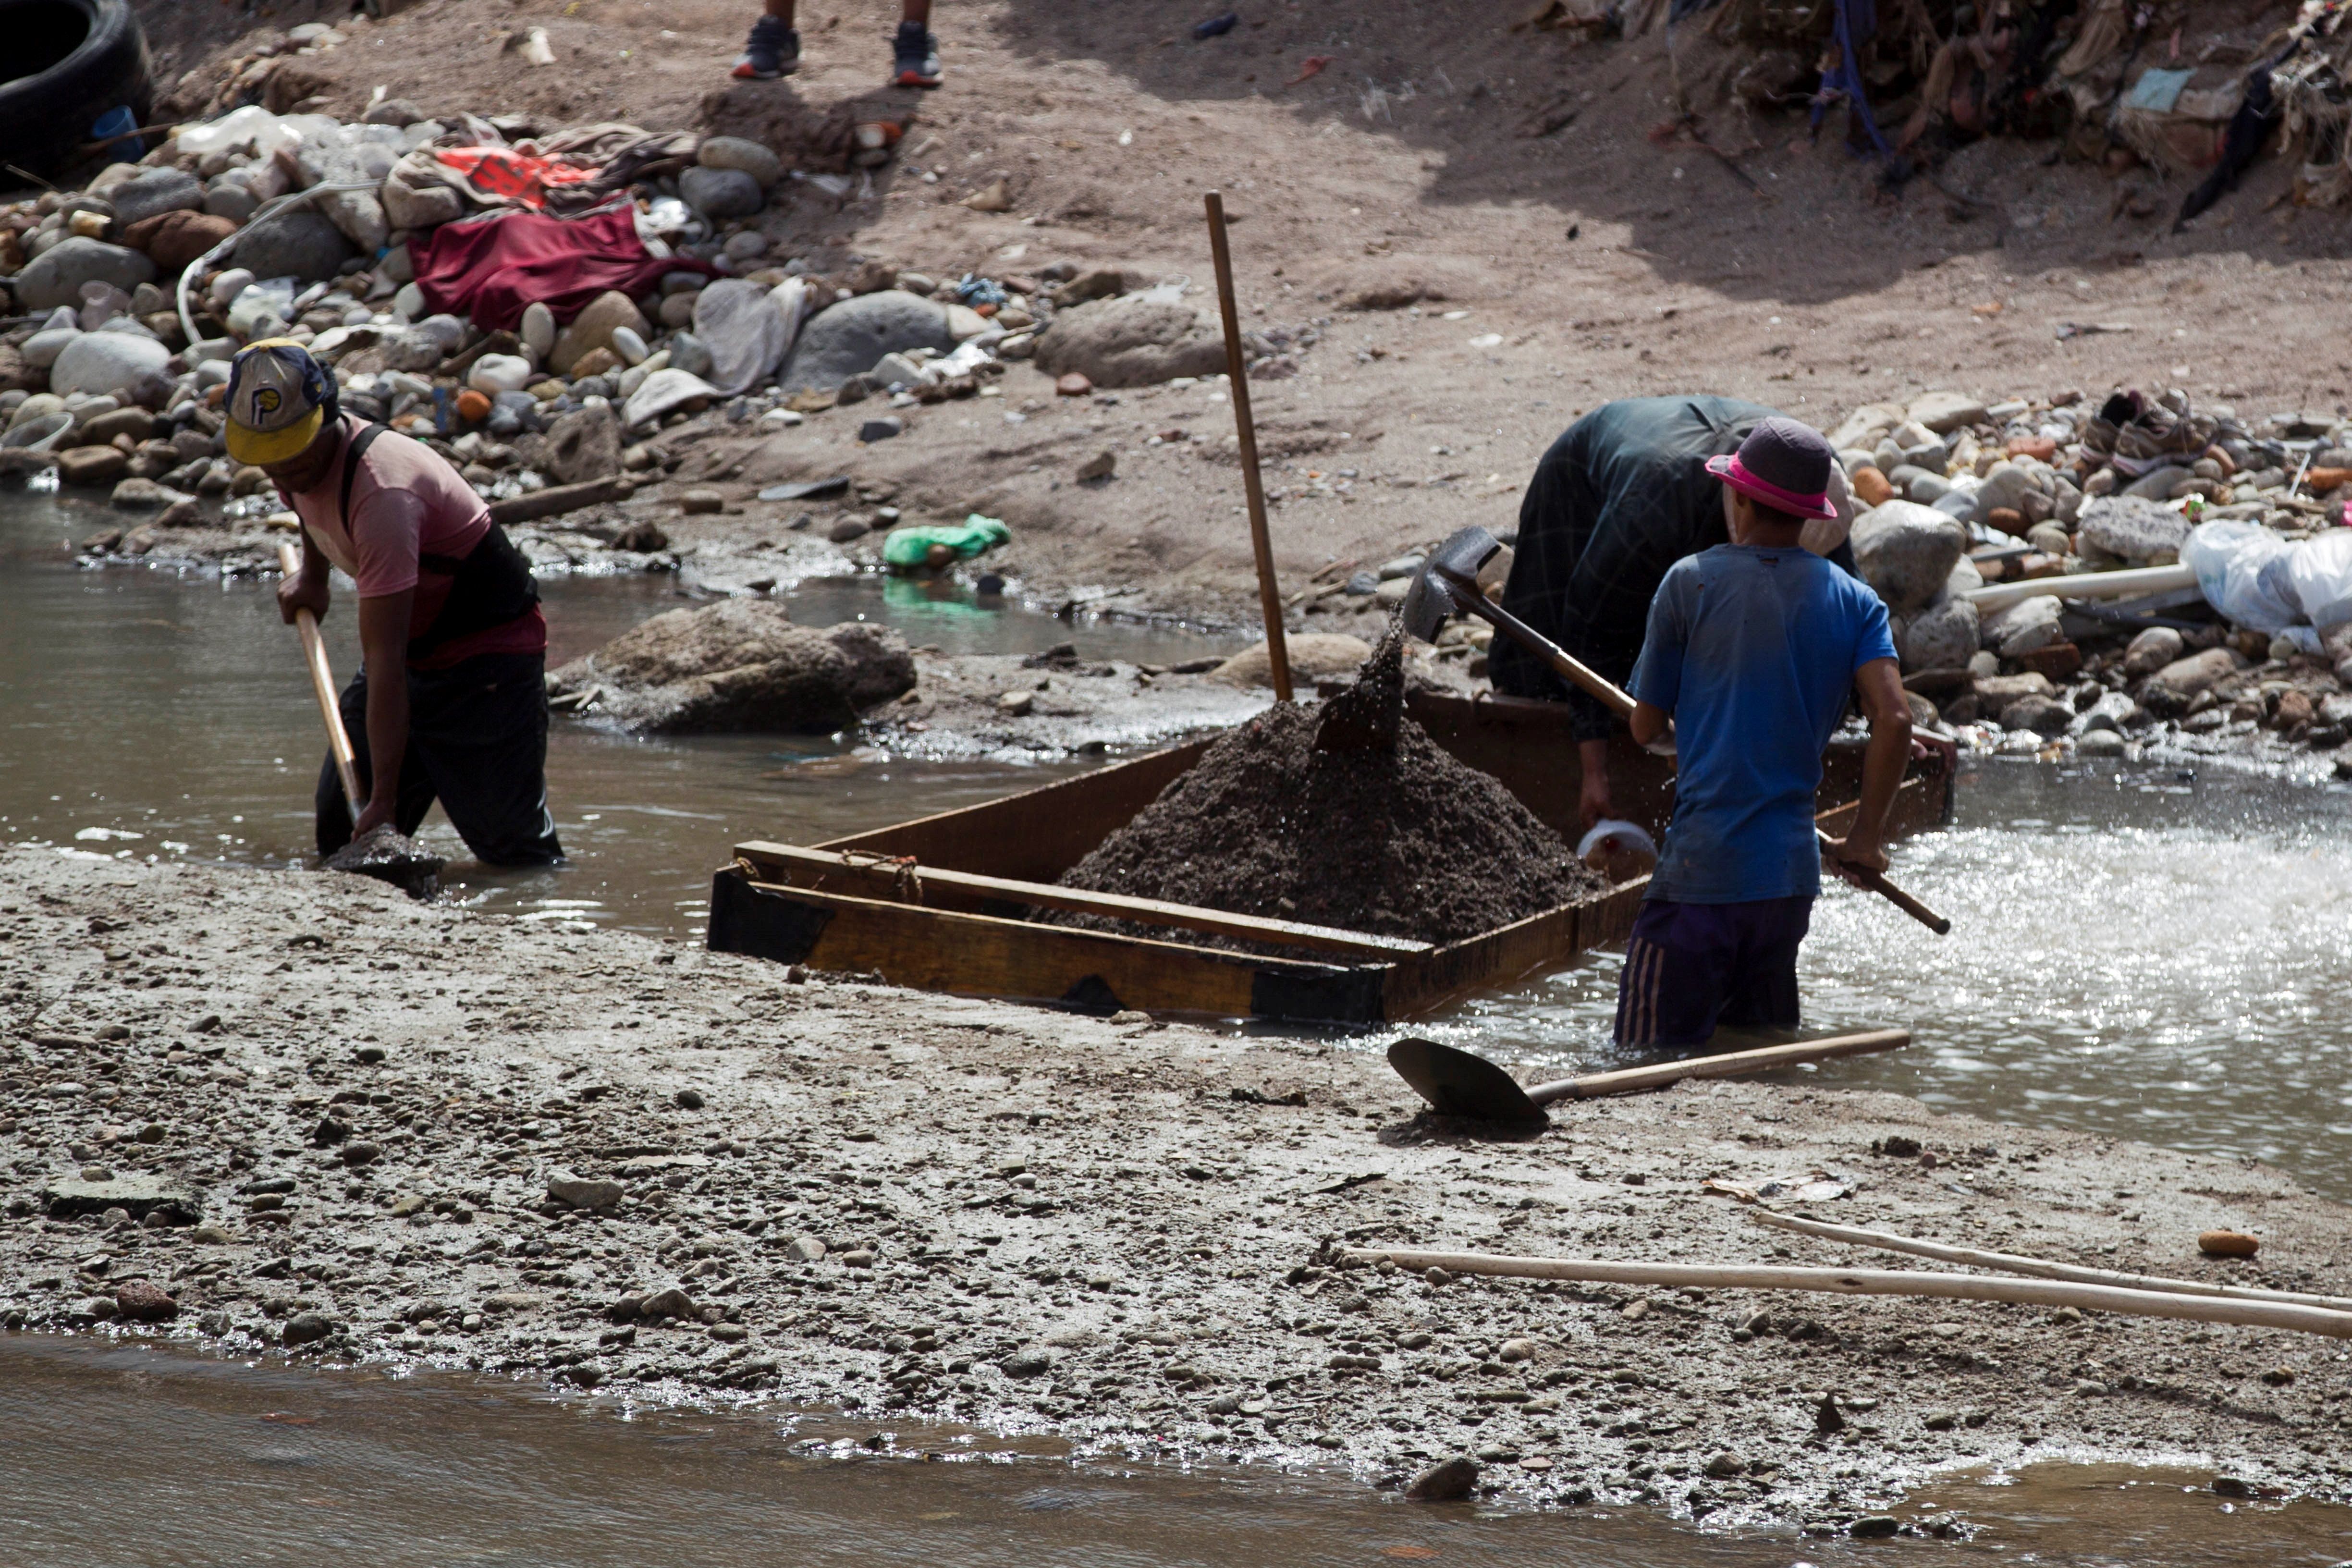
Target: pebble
{"points": [[308, 1327], [805, 1249], [701, 501], [143, 1301], [2228, 1244], [585, 1192], [1099, 466], [881, 429], [1448, 1480], [848, 531], [537, 332], [1072, 385]]}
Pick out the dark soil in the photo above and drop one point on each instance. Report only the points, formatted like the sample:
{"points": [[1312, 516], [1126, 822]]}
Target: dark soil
{"points": [[1411, 843]]}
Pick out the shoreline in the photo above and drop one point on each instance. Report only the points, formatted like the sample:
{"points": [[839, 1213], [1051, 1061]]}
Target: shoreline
{"points": [[1119, 1234]]}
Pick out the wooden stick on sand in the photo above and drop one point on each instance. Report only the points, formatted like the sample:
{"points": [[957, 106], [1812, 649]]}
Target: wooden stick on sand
{"points": [[1878, 1283], [1278, 650], [2009, 1263]]}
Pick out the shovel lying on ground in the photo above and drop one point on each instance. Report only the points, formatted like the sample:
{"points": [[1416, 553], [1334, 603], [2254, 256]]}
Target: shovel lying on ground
{"points": [[1456, 1083], [1447, 585]]}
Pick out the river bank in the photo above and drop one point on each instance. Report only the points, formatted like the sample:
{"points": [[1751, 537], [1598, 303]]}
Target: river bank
{"points": [[916, 1207]]}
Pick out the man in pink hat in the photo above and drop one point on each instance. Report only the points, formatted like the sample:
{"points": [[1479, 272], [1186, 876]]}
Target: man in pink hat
{"points": [[1752, 650]]}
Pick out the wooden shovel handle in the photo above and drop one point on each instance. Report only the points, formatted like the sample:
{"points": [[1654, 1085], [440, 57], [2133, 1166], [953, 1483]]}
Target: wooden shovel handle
{"points": [[1730, 1064], [323, 684]]}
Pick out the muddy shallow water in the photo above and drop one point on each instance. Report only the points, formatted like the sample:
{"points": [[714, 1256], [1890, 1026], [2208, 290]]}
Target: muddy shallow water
{"points": [[2138, 949], [115, 1453]]}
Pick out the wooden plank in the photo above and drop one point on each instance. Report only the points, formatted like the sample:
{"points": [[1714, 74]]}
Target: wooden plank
{"points": [[983, 956], [1037, 834], [903, 883]]}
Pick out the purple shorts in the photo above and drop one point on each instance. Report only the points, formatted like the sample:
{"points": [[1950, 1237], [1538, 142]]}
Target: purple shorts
{"points": [[1691, 967]]}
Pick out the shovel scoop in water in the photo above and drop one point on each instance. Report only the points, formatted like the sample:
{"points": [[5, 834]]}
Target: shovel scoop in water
{"points": [[390, 855]]}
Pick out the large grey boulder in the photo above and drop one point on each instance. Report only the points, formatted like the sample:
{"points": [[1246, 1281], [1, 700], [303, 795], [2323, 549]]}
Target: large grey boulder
{"points": [[2134, 529], [152, 191], [106, 363], [55, 277], [739, 664], [1907, 552], [850, 338], [298, 243], [741, 328], [1130, 342]]}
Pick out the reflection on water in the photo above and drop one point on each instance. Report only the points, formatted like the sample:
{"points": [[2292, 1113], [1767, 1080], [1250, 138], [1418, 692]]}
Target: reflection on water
{"points": [[145, 714], [115, 1455], [2134, 950]]}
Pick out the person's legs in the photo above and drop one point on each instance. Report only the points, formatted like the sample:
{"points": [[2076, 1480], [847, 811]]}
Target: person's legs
{"points": [[915, 54], [480, 731], [773, 48], [1678, 963], [1763, 993]]}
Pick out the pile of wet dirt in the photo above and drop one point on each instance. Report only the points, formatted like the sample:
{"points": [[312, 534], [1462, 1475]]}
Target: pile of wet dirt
{"points": [[1408, 842]]}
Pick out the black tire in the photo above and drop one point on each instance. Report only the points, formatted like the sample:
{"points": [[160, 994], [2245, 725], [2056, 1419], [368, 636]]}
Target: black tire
{"points": [[65, 64]]}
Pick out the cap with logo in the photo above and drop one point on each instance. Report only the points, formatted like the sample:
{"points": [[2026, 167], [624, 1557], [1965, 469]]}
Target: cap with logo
{"points": [[278, 397]]}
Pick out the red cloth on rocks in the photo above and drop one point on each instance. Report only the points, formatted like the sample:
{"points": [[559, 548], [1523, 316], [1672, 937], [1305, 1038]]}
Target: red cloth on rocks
{"points": [[489, 268]]}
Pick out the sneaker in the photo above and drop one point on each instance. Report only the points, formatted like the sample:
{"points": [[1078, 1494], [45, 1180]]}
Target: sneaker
{"points": [[772, 50], [917, 56]]}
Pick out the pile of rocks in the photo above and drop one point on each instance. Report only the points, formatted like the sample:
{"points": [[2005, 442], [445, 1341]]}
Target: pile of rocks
{"points": [[1964, 496], [105, 377]]}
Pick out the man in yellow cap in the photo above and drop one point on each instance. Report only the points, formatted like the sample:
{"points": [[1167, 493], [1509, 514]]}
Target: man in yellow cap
{"points": [[450, 702]]}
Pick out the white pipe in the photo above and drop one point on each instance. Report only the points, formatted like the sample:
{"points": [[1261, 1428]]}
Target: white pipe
{"points": [[2126, 584], [268, 209]]}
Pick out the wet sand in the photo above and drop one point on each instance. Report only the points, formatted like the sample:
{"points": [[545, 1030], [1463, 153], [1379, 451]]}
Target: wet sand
{"points": [[1118, 1233]]}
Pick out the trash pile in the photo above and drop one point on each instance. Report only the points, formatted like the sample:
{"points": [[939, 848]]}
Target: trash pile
{"points": [[2083, 575], [2195, 91], [1408, 842], [533, 304]]}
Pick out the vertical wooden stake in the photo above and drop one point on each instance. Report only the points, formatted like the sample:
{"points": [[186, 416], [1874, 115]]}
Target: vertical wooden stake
{"points": [[1237, 382]]}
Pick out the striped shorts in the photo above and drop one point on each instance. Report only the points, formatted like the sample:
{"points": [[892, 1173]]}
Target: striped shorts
{"points": [[1692, 967]]}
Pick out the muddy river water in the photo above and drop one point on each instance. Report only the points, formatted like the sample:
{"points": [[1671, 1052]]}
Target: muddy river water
{"points": [[2138, 950]]}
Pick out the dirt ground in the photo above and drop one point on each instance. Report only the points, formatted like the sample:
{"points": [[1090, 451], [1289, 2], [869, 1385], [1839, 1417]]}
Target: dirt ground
{"points": [[1119, 1232], [1590, 263]]}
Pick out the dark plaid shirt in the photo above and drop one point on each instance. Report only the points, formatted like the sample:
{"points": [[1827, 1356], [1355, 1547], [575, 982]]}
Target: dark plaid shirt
{"points": [[1621, 496]]}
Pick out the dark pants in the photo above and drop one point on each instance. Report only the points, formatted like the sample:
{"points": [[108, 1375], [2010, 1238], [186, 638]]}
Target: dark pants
{"points": [[476, 743], [1690, 967]]}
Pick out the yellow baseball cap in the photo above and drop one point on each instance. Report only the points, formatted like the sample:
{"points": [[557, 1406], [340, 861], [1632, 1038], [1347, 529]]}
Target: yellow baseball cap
{"points": [[278, 397]]}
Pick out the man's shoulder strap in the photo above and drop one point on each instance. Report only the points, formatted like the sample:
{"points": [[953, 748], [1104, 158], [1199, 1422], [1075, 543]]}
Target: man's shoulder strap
{"points": [[353, 451]]}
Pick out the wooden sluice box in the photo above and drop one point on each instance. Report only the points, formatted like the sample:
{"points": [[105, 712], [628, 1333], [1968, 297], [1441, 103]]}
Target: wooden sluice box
{"points": [[946, 902]]}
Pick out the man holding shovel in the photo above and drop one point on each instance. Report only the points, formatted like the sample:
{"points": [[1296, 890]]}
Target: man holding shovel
{"points": [[1621, 496], [1753, 648], [450, 702]]}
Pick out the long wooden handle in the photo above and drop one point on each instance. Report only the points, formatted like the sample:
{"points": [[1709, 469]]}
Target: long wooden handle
{"points": [[1730, 1064], [1277, 648], [1620, 703], [323, 684], [1876, 1282]]}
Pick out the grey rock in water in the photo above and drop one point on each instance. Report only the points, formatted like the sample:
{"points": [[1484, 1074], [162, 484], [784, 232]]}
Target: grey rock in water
{"points": [[390, 855], [850, 338], [739, 664], [1130, 342], [1448, 1480]]}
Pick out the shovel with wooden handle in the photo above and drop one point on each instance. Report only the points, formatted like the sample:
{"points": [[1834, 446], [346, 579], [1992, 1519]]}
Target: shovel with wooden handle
{"points": [[1456, 1083], [322, 683], [1447, 584]]}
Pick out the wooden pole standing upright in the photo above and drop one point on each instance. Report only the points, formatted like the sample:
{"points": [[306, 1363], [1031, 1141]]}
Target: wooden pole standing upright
{"points": [[322, 685], [1237, 382]]}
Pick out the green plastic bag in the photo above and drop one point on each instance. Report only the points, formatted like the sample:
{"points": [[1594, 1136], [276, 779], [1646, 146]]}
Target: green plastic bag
{"points": [[915, 548]]}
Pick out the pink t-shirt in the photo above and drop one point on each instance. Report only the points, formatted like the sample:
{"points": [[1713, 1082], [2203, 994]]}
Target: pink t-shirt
{"points": [[407, 501]]}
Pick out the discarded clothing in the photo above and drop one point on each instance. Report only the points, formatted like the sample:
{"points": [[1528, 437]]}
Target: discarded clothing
{"points": [[574, 171], [490, 268]]}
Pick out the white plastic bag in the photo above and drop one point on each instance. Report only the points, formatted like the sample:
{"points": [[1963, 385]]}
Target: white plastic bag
{"points": [[2321, 570], [2245, 572]]}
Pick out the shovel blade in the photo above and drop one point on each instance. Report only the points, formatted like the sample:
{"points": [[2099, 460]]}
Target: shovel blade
{"points": [[1431, 601], [1456, 1083]]}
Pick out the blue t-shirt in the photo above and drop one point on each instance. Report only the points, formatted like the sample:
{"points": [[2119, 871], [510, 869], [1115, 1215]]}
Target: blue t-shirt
{"points": [[1753, 652]]}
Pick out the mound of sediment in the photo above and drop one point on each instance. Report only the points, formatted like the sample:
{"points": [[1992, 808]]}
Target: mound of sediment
{"points": [[1410, 843]]}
